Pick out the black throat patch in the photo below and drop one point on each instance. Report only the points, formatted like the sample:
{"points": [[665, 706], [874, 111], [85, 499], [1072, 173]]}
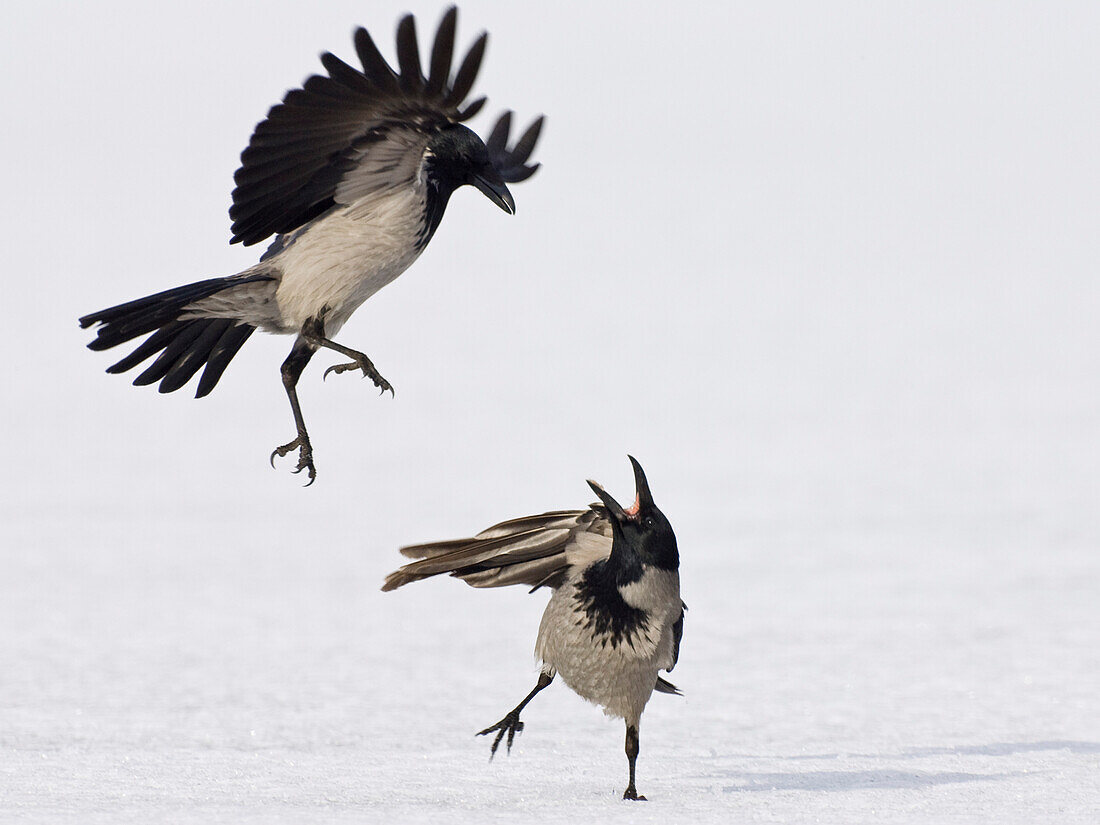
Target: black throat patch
{"points": [[611, 620], [435, 205]]}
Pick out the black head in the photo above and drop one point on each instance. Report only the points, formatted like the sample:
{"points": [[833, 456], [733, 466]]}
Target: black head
{"points": [[456, 157], [642, 528]]}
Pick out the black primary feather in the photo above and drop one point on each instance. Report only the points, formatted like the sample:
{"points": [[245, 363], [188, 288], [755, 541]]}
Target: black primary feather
{"points": [[298, 155], [282, 182]]}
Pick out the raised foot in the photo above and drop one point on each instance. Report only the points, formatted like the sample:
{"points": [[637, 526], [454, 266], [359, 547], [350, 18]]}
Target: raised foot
{"points": [[364, 364], [631, 793], [511, 725], [305, 456]]}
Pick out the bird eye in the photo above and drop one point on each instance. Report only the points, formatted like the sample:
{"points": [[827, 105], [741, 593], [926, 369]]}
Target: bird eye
{"points": [[649, 521]]}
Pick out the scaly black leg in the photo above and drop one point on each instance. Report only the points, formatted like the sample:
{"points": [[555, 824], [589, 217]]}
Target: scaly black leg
{"points": [[292, 368], [632, 755], [314, 332], [510, 724]]}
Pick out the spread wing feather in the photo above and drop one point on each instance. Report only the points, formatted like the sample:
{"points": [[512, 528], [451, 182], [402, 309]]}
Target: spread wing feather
{"points": [[512, 163], [533, 550], [301, 154]]}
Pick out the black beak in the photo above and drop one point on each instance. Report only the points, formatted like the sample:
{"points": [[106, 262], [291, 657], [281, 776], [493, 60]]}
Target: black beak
{"points": [[613, 507], [645, 498], [492, 186]]}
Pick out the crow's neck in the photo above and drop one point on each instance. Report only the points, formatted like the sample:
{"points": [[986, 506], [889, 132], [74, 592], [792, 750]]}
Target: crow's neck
{"points": [[600, 597], [437, 195]]}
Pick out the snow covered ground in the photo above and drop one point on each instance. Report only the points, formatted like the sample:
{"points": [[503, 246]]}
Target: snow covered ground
{"points": [[831, 674], [831, 274]]}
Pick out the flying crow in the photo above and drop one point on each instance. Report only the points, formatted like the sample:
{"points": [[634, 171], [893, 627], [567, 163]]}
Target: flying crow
{"points": [[615, 617], [351, 173]]}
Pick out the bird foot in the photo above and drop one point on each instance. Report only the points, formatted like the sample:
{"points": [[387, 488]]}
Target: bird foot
{"points": [[364, 364], [632, 793], [305, 456], [511, 725]]}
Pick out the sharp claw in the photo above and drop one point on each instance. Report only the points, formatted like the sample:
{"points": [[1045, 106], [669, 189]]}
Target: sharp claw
{"points": [[512, 731], [367, 370], [508, 726], [305, 458]]}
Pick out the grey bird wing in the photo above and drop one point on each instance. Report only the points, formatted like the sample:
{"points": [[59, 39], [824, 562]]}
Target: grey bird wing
{"points": [[536, 551], [663, 685], [677, 635], [350, 132]]}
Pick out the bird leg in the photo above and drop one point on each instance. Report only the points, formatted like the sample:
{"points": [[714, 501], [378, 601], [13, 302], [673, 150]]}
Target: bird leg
{"points": [[510, 724], [632, 755], [314, 332], [292, 368]]}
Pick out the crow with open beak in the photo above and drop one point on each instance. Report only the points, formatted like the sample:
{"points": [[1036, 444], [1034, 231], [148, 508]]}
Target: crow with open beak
{"points": [[615, 618]]}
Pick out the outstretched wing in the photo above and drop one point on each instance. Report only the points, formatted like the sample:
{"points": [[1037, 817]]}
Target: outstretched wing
{"points": [[534, 550], [351, 131]]}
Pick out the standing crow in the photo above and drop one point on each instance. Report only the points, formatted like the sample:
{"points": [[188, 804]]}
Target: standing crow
{"points": [[615, 618]]}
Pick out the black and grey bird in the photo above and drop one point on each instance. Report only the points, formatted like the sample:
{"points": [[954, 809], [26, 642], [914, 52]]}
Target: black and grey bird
{"points": [[351, 173], [615, 617]]}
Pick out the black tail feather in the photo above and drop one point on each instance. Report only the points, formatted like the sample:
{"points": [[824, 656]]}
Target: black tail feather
{"points": [[184, 345], [127, 321], [178, 344], [665, 686], [150, 347], [187, 346], [220, 356], [194, 356]]}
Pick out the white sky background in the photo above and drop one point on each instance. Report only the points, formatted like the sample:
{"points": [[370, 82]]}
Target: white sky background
{"points": [[827, 270], [815, 259]]}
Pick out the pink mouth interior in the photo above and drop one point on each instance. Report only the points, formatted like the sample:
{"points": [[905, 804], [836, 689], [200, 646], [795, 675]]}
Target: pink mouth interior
{"points": [[635, 507]]}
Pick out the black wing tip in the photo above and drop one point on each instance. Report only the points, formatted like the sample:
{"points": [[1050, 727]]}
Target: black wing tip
{"points": [[472, 109], [329, 104], [524, 173], [534, 131], [511, 162]]}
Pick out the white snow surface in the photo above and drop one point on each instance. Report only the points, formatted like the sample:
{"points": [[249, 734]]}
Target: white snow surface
{"points": [[828, 270]]}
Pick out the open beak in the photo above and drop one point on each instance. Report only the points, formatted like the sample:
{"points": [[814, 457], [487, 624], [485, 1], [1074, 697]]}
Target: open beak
{"points": [[613, 507], [643, 498], [492, 186]]}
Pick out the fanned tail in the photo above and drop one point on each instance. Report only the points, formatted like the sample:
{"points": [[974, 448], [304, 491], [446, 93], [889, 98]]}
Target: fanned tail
{"points": [[185, 344]]}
